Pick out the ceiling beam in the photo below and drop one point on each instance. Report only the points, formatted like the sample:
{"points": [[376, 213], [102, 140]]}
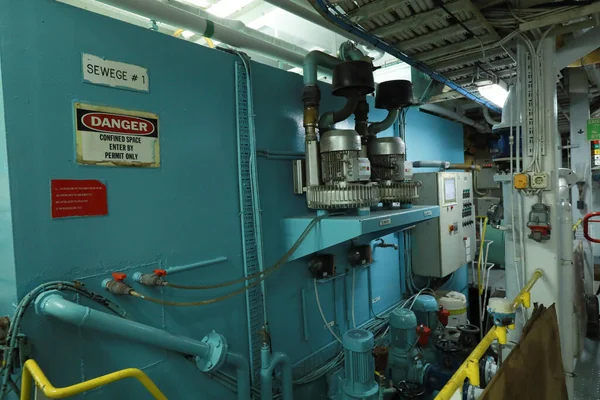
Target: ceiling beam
{"points": [[373, 8], [417, 20], [577, 47], [560, 18], [484, 22], [502, 75], [504, 62], [457, 47], [436, 36], [469, 58]]}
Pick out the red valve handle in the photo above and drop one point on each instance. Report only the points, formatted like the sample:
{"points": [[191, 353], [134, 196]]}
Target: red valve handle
{"points": [[119, 276], [586, 221], [160, 272]]}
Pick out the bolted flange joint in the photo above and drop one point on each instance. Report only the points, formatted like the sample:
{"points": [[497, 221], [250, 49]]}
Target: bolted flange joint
{"points": [[215, 357]]}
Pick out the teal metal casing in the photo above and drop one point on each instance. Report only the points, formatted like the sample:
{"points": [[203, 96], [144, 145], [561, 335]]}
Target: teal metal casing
{"points": [[185, 213]]}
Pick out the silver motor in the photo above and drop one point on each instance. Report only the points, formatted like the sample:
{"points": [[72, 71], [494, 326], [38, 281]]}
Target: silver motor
{"points": [[387, 155], [340, 158], [391, 170]]}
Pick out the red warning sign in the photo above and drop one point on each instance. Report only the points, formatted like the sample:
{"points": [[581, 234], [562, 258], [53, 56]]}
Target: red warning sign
{"points": [[78, 198]]}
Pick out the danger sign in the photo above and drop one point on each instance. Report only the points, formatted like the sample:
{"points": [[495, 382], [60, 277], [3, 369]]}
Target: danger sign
{"points": [[115, 137]]}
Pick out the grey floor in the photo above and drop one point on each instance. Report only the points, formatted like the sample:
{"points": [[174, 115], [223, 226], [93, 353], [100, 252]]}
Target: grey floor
{"points": [[587, 373]]}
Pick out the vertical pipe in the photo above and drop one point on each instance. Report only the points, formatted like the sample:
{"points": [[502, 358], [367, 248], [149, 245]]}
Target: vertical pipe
{"points": [[270, 362], [242, 371]]}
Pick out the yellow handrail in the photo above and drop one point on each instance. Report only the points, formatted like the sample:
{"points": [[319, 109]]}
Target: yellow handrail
{"points": [[470, 368], [32, 372]]}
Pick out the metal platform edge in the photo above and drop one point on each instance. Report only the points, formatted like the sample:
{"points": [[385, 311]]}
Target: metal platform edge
{"points": [[338, 229]]}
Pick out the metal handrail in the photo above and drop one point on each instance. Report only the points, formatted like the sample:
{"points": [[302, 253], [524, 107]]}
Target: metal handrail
{"points": [[33, 373], [470, 368]]}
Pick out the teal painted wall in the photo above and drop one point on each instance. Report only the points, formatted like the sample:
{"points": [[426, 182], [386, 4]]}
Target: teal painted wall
{"points": [[184, 212]]}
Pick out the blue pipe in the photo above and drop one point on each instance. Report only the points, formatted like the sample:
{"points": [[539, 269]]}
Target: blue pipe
{"points": [[312, 61], [187, 267], [269, 363], [54, 305], [242, 368], [343, 22]]}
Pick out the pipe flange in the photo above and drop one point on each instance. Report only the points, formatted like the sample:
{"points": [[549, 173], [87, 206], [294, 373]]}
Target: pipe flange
{"points": [[347, 195], [217, 353], [399, 192]]}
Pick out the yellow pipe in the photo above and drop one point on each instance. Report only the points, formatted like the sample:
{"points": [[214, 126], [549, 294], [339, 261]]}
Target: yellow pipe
{"points": [[470, 368], [33, 373]]}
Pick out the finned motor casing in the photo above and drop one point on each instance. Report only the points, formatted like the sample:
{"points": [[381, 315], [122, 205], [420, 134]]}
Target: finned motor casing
{"points": [[340, 157]]}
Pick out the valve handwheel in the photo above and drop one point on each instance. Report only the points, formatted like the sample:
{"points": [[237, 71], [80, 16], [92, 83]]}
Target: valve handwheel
{"points": [[410, 389], [586, 228]]}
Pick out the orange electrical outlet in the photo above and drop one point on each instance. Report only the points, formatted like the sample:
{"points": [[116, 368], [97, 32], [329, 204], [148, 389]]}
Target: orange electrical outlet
{"points": [[521, 181]]}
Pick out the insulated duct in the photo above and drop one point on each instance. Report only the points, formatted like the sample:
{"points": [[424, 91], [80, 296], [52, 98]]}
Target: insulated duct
{"points": [[444, 112], [234, 33]]}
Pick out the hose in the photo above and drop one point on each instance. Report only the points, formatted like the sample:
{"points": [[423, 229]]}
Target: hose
{"points": [[323, 314], [12, 337], [265, 274]]}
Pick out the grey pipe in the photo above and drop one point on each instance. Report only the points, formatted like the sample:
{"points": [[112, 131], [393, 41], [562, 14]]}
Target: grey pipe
{"points": [[234, 33], [316, 59], [333, 117], [211, 356], [444, 112], [431, 164], [309, 14], [488, 117], [389, 120], [269, 363]]}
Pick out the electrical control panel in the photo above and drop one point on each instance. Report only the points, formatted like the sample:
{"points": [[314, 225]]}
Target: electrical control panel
{"points": [[443, 245]]}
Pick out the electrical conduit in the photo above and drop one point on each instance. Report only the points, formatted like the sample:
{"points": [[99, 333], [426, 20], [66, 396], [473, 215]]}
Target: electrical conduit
{"points": [[269, 363], [210, 355]]}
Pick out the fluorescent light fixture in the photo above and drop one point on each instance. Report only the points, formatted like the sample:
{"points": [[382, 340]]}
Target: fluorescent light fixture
{"points": [[495, 93], [225, 8]]}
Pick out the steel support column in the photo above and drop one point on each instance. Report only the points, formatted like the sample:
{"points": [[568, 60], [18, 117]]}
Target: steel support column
{"points": [[538, 103], [580, 156]]}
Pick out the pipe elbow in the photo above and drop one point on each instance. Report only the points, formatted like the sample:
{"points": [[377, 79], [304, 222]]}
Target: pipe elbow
{"points": [[312, 61], [389, 120]]}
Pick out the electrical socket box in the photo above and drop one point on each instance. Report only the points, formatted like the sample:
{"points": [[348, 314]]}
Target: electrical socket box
{"points": [[485, 177], [443, 245], [483, 204], [539, 180]]}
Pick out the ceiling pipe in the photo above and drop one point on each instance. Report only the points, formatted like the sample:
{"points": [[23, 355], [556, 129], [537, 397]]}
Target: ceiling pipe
{"points": [[233, 33], [444, 112], [310, 15]]}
